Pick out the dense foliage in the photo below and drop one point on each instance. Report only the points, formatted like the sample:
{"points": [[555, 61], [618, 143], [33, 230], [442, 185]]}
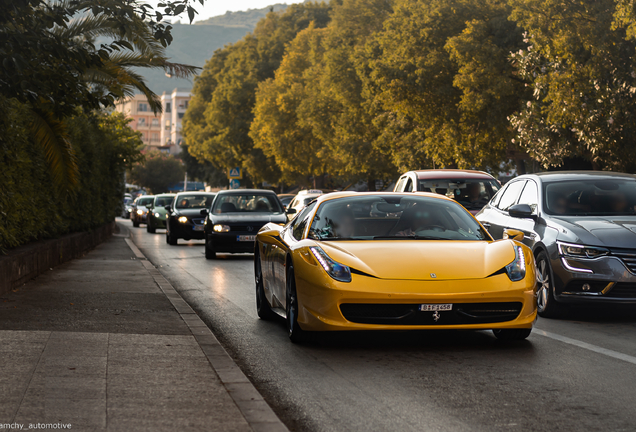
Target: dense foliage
{"points": [[157, 172], [31, 207], [383, 86]]}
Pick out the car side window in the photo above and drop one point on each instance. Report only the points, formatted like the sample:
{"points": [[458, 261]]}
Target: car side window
{"points": [[409, 186], [530, 195], [300, 222], [510, 195], [400, 184]]}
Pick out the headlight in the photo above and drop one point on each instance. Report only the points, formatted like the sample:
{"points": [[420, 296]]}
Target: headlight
{"points": [[517, 269], [221, 228], [157, 215], [140, 212], [339, 272], [183, 219], [580, 251]]}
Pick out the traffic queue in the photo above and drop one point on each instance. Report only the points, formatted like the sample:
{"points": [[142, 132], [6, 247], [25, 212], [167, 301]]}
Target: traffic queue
{"points": [[446, 249]]}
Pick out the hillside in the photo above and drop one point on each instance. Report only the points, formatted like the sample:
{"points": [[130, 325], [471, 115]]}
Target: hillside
{"points": [[194, 44]]}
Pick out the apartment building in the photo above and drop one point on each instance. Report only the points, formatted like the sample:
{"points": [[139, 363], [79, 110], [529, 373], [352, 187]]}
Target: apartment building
{"points": [[163, 131]]}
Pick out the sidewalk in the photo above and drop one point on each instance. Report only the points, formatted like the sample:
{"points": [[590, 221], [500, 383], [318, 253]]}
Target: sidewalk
{"points": [[104, 343]]}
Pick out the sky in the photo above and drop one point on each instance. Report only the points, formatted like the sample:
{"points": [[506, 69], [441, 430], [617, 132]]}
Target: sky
{"points": [[219, 7]]}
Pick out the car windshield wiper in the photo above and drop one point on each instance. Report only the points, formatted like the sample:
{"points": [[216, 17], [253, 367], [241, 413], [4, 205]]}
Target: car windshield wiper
{"points": [[409, 237]]}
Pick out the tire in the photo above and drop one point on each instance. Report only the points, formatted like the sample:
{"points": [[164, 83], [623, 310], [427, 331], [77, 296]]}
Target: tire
{"points": [[135, 223], [210, 253], [296, 334], [150, 228], [171, 239], [263, 308], [512, 334], [547, 305]]}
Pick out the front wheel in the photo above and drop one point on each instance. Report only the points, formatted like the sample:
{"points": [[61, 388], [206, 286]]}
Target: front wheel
{"points": [[171, 239], [263, 309], [547, 306], [135, 223], [512, 334], [150, 228], [210, 253], [296, 334]]}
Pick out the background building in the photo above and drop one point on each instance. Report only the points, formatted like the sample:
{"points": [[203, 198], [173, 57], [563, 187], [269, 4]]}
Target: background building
{"points": [[163, 131]]}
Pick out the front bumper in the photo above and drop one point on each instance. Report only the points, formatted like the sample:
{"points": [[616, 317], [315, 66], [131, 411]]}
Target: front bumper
{"points": [[186, 230], [227, 242], [605, 279], [324, 302]]}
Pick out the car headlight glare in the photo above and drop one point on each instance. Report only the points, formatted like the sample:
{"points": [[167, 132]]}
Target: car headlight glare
{"points": [[221, 228], [183, 219], [140, 212], [157, 215], [580, 251], [517, 269], [339, 272]]}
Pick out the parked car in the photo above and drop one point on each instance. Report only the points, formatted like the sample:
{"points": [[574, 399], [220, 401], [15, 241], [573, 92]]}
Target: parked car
{"points": [[472, 189], [235, 218], [581, 227], [285, 199], [157, 212], [424, 263], [300, 201], [139, 212], [126, 208], [186, 216]]}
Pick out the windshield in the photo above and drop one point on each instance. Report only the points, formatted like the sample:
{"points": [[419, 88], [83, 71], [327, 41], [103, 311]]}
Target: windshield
{"points": [[145, 201], [163, 201], [590, 197], [254, 203], [472, 194], [194, 201], [382, 217]]}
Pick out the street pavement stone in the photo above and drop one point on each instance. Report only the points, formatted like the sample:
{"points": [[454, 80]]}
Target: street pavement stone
{"points": [[98, 344]]}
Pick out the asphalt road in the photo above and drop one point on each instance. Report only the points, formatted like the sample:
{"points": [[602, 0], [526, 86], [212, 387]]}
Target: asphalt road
{"points": [[574, 374]]}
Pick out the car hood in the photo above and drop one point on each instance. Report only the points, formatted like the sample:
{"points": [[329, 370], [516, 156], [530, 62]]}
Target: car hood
{"points": [[248, 217], [608, 231], [189, 212], [420, 259]]}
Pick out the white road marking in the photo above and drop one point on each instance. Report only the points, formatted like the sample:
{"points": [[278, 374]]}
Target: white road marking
{"points": [[587, 346]]}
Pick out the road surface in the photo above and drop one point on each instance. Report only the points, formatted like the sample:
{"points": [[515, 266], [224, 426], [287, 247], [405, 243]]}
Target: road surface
{"points": [[575, 374]]}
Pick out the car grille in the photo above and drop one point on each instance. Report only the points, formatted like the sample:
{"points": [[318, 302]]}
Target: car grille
{"points": [[409, 314], [198, 221], [253, 228], [622, 290], [628, 256]]}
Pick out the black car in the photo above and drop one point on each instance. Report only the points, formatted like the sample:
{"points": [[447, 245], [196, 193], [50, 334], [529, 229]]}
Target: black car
{"points": [[582, 229], [236, 216], [186, 216]]}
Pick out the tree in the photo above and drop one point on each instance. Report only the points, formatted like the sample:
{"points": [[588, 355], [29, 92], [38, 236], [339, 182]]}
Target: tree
{"points": [[52, 65], [158, 172], [441, 67], [202, 171], [217, 127], [580, 61]]}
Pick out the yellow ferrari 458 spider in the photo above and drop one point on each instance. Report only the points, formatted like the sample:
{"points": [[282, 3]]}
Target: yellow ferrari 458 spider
{"points": [[393, 261]]}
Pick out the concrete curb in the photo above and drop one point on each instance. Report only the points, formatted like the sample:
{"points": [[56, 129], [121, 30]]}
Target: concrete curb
{"points": [[249, 401]]}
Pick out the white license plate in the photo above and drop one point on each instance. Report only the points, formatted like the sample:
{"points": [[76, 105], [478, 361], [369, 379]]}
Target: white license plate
{"points": [[436, 307], [197, 228], [246, 238]]}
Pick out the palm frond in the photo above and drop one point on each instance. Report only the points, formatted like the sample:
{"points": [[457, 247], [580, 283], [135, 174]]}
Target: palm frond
{"points": [[50, 134]]}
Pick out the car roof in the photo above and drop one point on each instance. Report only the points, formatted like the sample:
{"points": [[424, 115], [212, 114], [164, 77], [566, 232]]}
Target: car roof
{"points": [[438, 174], [571, 175], [245, 191], [197, 193], [145, 196], [165, 195], [344, 194]]}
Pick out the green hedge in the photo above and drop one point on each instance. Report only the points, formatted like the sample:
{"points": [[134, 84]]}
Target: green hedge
{"points": [[31, 207]]}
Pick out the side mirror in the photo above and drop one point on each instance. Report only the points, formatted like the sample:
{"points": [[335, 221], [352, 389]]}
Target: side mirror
{"points": [[513, 234], [521, 211], [290, 211], [168, 209], [204, 212]]}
